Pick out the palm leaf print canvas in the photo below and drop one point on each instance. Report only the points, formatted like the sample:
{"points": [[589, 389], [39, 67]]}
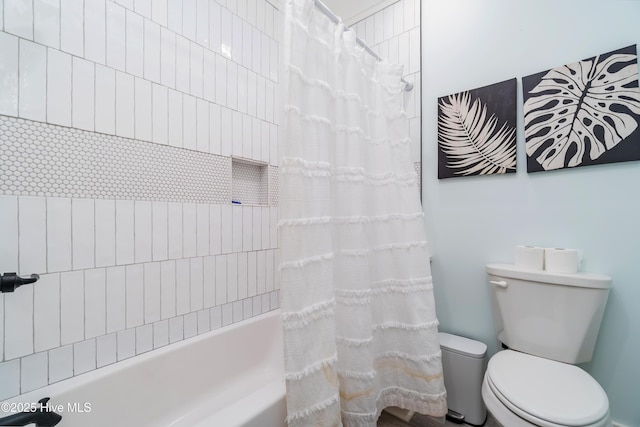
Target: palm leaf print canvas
{"points": [[477, 131], [585, 113]]}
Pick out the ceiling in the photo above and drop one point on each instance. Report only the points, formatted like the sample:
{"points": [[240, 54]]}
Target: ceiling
{"points": [[352, 11]]}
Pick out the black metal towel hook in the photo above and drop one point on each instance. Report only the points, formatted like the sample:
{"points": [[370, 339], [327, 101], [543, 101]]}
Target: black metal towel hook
{"points": [[9, 282]]}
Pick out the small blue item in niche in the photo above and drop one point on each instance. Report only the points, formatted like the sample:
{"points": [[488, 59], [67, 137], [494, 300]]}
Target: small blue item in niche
{"points": [[235, 202], [584, 113], [477, 131]]}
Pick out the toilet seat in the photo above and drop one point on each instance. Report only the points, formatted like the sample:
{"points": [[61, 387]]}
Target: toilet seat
{"points": [[545, 392]]}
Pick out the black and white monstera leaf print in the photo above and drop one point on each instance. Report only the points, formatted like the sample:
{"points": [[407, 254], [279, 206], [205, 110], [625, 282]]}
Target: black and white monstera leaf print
{"points": [[578, 112]]}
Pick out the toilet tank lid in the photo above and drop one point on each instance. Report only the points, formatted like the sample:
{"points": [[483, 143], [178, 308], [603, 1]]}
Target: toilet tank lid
{"points": [[581, 280], [462, 345]]}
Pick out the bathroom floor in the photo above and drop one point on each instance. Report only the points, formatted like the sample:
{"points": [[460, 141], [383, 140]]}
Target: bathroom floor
{"points": [[419, 420]]}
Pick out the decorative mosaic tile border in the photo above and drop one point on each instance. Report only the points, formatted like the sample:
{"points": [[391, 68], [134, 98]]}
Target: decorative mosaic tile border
{"points": [[41, 159]]}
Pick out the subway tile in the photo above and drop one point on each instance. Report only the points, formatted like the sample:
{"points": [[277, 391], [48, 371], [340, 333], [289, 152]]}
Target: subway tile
{"points": [[227, 314], [247, 308], [127, 4], [190, 325], [403, 52], [135, 44], [202, 22], [256, 140], [209, 281], [227, 229], [160, 114], [189, 19], [126, 344], [221, 279], [215, 142], [202, 229], [266, 46], [261, 269], [204, 321], [216, 318], [60, 364], [189, 129], [273, 143], [257, 305], [225, 131], [167, 58], [143, 7], [398, 18], [9, 74], [116, 42], [189, 230], [175, 118], [33, 81], [242, 9], [242, 89], [71, 307], [105, 212], [236, 134], [221, 80], [95, 31], [214, 27], [232, 85], [125, 110], [215, 229], [167, 289], [237, 30], [232, 277], [106, 350], [105, 109], [409, 14], [369, 33], [159, 230], [152, 51], [8, 234], [95, 302], [266, 302], [161, 332], [247, 135], [247, 228], [32, 229], [265, 224], [175, 331], [174, 15], [143, 110], [269, 101], [85, 355], [46, 312], [34, 372], [247, 44], [135, 289], [197, 284], [159, 11], [209, 78], [59, 94], [237, 311], [202, 125], [414, 50], [182, 63], [226, 33], [251, 12], [196, 70], [274, 298], [378, 22], [273, 217], [125, 229], [269, 273], [82, 111], [10, 374], [383, 49], [58, 234], [174, 216], [256, 49], [46, 22], [260, 14], [183, 286], [268, 19], [144, 339], [18, 18], [261, 94], [394, 48], [242, 275], [237, 228], [251, 273], [251, 93], [274, 63], [116, 298], [387, 26], [152, 292], [265, 142], [71, 27]]}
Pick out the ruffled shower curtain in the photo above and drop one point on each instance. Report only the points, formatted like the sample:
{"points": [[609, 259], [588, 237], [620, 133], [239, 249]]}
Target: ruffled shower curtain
{"points": [[358, 313]]}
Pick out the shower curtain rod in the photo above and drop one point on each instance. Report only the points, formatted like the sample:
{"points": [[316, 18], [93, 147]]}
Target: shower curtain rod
{"points": [[324, 9]]}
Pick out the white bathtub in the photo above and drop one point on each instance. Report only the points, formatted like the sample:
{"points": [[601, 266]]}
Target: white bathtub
{"points": [[229, 377]]}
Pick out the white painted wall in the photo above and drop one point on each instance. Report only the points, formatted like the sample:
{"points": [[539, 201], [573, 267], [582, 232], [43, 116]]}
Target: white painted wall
{"points": [[473, 221]]}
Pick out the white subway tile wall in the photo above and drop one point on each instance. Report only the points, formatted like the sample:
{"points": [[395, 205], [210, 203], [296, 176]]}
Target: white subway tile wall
{"points": [[117, 121]]}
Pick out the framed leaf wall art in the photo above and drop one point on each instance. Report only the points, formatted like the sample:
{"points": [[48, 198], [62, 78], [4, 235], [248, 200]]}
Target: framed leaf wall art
{"points": [[584, 113], [477, 131]]}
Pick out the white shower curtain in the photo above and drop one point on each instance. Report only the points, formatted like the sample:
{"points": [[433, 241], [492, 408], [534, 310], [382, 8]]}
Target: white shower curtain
{"points": [[356, 293]]}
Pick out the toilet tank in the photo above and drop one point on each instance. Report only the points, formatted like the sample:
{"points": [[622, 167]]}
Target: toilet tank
{"points": [[551, 315]]}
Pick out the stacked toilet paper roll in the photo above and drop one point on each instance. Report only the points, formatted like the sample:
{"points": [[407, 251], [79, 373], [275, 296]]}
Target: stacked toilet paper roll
{"points": [[561, 260], [529, 257]]}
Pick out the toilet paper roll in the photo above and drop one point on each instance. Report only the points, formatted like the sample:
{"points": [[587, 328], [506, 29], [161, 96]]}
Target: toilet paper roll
{"points": [[561, 260], [529, 257]]}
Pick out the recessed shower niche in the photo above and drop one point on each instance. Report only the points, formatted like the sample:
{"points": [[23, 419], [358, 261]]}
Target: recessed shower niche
{"points": [[250, 182]]}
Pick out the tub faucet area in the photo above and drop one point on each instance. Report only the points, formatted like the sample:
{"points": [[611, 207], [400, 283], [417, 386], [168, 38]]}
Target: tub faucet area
{"points": [[40, 415]]}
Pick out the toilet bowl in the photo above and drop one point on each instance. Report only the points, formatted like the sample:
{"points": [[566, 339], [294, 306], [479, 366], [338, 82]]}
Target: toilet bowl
{"points": [[521, 390]]}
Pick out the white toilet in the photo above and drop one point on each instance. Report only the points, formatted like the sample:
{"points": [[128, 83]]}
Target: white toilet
{"points": [[549, 322]]}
